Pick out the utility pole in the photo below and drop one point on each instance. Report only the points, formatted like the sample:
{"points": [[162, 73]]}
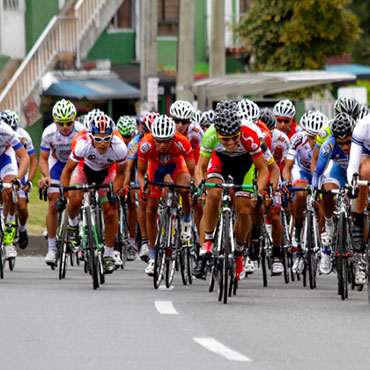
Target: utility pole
{"points": [[149, 58], [217, 59], [185, 53]]}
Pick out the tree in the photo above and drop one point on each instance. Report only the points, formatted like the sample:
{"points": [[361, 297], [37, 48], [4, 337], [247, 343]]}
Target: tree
{"points": [[361, 53], [283, 35]]}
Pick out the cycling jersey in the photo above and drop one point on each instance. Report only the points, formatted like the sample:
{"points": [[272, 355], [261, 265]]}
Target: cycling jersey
{"points": [[26, 140], [300, 151], [161, 164], [86, 151], [8, 138], [323, 134], [360, 146], [133, 147], [58, 144], [180, 147], [195, 135], [330, 150], [294, 129], [248, 143], [279, 147]]}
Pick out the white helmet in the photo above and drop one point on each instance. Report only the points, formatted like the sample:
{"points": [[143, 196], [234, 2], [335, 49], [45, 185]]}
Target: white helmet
{"points": [[302, 121], [284, 108], [163, 128], [181, 109], [314, 122], [248, 109]]}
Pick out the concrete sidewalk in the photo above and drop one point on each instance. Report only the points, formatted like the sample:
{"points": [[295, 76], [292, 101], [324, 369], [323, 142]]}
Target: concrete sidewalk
{"points": [[37, 246]]}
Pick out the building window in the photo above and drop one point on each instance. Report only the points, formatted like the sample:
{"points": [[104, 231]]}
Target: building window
{"points": [[123, 17], [168, 17], [11, 5]]}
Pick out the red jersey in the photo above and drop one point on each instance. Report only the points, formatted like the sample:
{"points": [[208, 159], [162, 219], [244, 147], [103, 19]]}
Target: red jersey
{"points": [[147, 150]]}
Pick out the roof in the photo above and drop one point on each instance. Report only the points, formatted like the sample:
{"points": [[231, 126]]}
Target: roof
{"points": [[104, 87], [265, 83]]}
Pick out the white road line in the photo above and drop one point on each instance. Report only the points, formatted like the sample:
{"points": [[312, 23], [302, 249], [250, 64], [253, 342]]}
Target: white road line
{"points": [[165, 307], [213, 345]]}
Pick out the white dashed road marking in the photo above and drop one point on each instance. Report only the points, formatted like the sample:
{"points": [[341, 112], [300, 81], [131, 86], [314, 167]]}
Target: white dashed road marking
{"points": [[165, 307], [220, 349]]}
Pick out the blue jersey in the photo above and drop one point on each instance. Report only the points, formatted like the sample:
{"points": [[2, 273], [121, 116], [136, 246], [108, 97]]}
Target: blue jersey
{"points": [[329, 150], [133, 146]]}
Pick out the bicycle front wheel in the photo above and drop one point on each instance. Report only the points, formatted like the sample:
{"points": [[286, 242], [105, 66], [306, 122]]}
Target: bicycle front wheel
{"points": [[342, 261], [63, 246], [310, 254], [92, 260], [161, 249], [227, 254]]}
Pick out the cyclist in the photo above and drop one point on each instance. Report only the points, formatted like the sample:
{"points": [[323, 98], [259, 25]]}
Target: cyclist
{"points": [[164, 152], [364, 111], [127, 127], [344, 104], [55, 149], [284, 111], [10, 148], [359, 162], [182, 113], [92, 160], [132, 152], [12, 119], [230, 148], [203, 119], [297, 171]]}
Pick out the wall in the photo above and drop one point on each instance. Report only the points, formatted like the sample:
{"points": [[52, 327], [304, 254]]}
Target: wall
{"points": [[38, 15], [118, 47]]}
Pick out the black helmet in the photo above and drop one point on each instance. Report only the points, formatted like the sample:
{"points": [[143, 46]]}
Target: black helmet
{"points": [[268, 118], [227, 121], [349, 105], [342, 126]]}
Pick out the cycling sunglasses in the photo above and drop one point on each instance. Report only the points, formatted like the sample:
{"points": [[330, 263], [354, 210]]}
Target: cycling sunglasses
{"points": [[227, 138], [343, 143], [281, 119], [99, 139], [182, 121], [64, 124]]}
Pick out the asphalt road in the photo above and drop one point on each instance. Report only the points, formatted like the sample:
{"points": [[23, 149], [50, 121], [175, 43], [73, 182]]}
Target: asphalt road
{"points": [[126, 324]]}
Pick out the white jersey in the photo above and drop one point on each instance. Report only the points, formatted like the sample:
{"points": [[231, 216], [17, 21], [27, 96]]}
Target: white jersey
{"points": [[58, 144], [361, 134], [26, 140], [279, 146], [84, 149], [8, 138], [300, 151]]}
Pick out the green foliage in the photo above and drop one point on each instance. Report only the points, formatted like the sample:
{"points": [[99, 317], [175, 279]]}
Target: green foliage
{"points": [[361, 53], [283, 35]]}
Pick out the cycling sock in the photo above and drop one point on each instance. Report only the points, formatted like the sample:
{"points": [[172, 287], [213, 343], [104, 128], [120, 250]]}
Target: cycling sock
{"points": [[108, 251], [10, 219], [329, 222], [144, 240], [256, 232], [132, 241], [51, 244], [152, 253], [22, 228], [208, 236], [73, 221], [238, 253], [359, 219], [187, 218], [238, 247]]}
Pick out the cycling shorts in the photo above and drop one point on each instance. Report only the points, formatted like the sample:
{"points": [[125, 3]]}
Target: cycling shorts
{"points": [[240, 168], [157, 173], [299, 176], [8, 165], [336, 175], [79, 177]]}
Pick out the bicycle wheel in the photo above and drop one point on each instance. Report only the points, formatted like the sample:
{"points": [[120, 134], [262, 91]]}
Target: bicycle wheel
{"points": [[342, 260], [310, 254], [173, 246], [212, 279], [161, 248], [63, 246], [190, 261], [101, 268], [220, 278], [227, 252], [263, 264], [182, 264], [93, 263]]}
